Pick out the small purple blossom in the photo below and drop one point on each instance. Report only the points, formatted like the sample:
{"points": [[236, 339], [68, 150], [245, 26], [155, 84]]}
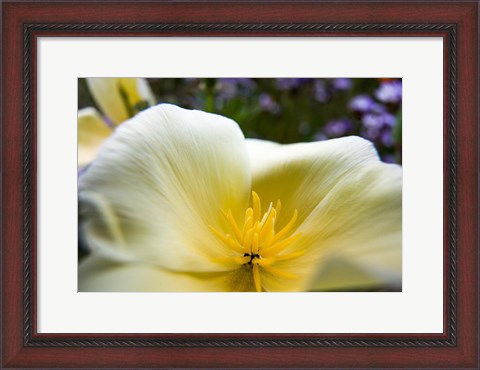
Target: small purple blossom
{"points": [[193, 102], [386, 138], [338, 127], [361, 104], [290, 83], [370, 133], [388, 158], [389, 119], [378, 108], [390, 92], [342, 84], [320, 91], [229, 88], [227, 91], [268, 104], [244, 82], [364, 104], [378, 127], [371, 120]]}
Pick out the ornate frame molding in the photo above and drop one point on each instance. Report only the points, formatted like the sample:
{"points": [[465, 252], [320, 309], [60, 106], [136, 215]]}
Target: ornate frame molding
{"points": [[32, 340]]}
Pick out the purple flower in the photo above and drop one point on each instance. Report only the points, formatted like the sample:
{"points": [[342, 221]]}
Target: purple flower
{"points": [[364, 104], [268, 104], [389, 119], [342, 84], [378, 127], [388, 158], [370, 133], [390, 92], [193, 102], [290, 83], [381, 120], [229, 88], [361, 104], [371, 121], [386, 138], [378, 108], [227, 91], [337, 128], [320, 91], [244, 82]]}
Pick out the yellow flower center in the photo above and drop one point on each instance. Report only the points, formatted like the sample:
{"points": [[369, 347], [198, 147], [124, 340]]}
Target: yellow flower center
{"points": [[257, 245]]}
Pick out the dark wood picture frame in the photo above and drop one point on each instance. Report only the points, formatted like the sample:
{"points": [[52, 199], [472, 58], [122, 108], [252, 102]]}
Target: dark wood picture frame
{"points": [[23, 22]]}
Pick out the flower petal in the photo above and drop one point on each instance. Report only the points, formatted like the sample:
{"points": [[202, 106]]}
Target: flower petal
{"points": [[349, 206], [158, 184], [144, 91], [121, 98], [360, 222], [92, 132], [304, 173], [96, 274]]}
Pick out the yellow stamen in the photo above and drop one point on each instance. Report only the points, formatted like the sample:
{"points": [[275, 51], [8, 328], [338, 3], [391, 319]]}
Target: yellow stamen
{"points": [[227, 239], [287, 227], [234, 225], [267, 214], [256, 245], [257, 208], [248, 223], [278, 207], [268, 225], [247, 244], [277, 247]]}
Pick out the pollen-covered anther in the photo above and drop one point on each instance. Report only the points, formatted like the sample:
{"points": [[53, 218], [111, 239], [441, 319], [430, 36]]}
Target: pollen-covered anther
{"points": [[256, 243]]}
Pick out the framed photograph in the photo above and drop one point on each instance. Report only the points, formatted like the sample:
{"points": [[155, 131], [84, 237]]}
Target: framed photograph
{"points": [[246, 185]]}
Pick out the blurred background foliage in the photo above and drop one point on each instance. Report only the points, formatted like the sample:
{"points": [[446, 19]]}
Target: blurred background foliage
{"points": [[288, 110]]}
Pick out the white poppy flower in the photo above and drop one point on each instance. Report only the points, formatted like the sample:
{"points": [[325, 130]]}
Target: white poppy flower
{"points": [[178, 200], [119, 99]]}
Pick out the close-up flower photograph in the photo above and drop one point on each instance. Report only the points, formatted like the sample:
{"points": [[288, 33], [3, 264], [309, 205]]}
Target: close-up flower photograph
{"points": [[239, 185], [258, 184]]}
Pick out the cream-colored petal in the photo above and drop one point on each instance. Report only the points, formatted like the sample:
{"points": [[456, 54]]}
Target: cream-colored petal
{"points": [[106, 93], [158, 184], [92, 132], [339, 274], [349, 206], [144, 91], [121, 98], [302, 174], [97, 274], [361, 222]]}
